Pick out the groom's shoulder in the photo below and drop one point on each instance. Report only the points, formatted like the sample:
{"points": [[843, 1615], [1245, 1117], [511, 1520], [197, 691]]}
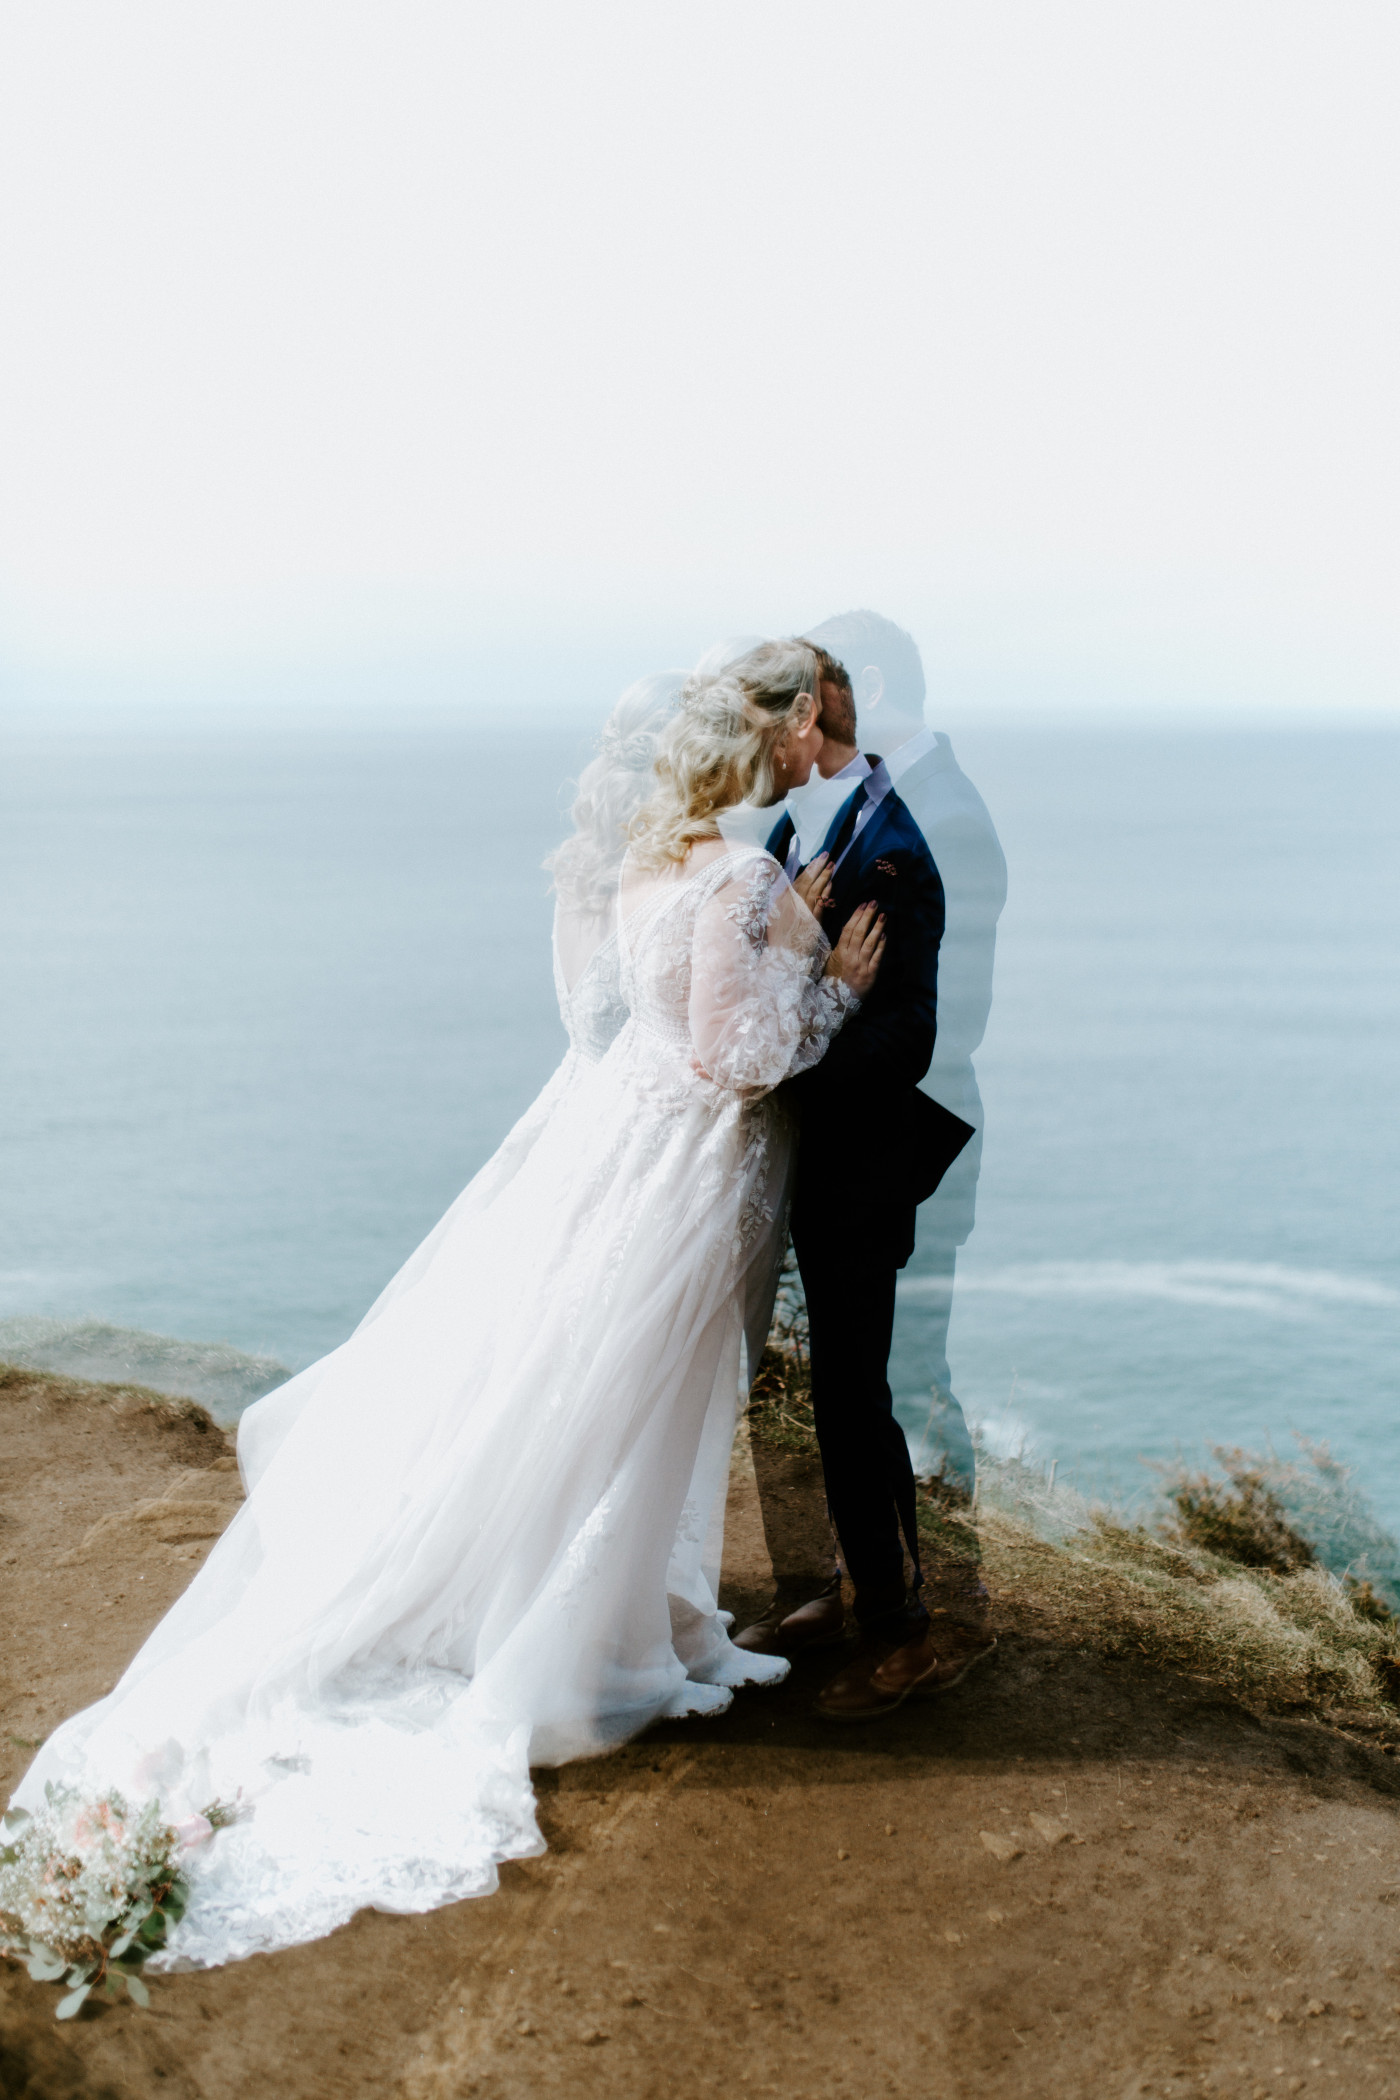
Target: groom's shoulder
{"points": [[942, 798]]}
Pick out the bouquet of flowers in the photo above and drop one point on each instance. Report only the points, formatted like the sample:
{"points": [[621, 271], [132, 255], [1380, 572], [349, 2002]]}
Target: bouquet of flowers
{"points": [[88, 1889]]}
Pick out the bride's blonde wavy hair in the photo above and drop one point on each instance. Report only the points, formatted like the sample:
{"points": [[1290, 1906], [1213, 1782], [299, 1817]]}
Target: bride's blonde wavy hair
{"points": [[611, 789], [719, 749]]}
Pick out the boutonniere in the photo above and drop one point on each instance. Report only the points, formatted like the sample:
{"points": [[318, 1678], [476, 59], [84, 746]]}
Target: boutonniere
{"points": [[887, 867]]}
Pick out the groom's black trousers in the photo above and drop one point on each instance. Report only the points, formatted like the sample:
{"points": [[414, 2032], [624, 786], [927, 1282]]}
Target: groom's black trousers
{"points": [[865, 1455]]}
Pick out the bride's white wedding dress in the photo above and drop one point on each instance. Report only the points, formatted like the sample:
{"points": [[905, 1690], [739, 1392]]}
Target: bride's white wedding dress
{"points": [[484, 1531]]}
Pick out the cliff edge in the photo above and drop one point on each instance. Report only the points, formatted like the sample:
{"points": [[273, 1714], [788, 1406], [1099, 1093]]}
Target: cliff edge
{"points": [[1081, 1873]]}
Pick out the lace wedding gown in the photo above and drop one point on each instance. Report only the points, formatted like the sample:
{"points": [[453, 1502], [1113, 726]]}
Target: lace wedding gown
{"points": [[483, 1532]]}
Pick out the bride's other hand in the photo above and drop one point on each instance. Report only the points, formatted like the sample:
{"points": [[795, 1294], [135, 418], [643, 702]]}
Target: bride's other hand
{"points": [[813, 884], [856, 957]]}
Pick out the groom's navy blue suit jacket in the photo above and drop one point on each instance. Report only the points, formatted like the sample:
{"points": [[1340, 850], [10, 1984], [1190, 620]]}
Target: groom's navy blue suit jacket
{"points": [[861, 1090]]}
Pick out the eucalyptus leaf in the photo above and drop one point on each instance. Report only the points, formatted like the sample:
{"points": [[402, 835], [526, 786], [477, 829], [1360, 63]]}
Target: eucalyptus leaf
{"points": [[73, 2003], [17, 1818], [119, 1947], [44, 1966], [137, 1990]]}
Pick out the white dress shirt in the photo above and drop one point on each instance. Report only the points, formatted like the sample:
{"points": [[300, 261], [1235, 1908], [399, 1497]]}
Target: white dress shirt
{"points": [[813, 808]]}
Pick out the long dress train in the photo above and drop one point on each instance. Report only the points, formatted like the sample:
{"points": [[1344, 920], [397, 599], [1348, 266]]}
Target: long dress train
{"points": [[481, 1533]]}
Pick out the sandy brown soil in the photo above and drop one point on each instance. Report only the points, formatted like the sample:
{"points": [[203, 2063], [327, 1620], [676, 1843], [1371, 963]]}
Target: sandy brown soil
{"points": [[1194, 1901]]}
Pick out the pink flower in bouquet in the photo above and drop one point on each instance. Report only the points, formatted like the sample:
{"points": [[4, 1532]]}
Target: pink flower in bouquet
{"points": [[90, 1825], [194, 1830]]}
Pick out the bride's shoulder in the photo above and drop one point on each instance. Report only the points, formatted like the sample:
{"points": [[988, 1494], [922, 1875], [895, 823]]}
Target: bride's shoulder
{"points": [[742, 867], [738, 854], [712, 873]]}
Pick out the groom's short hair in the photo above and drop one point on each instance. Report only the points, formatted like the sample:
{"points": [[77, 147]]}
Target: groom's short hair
{"points": [[829, 668], [837, 722], [864, 637]]}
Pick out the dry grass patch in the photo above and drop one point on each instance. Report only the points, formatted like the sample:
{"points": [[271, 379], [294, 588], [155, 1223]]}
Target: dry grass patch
{"points": [[1226, 1588], [779, 1411], [164, 1410], [1277, 1642]]}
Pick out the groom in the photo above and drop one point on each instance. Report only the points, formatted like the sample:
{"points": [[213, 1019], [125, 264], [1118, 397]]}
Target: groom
{"points": [[853, 1227], [890, 695]]}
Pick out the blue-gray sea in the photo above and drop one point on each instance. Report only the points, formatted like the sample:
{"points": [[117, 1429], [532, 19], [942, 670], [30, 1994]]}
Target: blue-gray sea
{"points": [[272, 995]]}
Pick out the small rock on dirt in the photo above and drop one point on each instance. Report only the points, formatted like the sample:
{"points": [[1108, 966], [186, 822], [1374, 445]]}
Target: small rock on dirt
{"points": [[1050, 1829]]}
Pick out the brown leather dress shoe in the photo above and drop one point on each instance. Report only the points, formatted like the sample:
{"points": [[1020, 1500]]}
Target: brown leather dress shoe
{"points": [[879, 1677], [960, 1649], [786, 1629], [882, 1674]]}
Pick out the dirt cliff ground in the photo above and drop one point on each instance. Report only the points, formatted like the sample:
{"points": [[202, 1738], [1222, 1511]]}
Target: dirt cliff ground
{"points": [[1179, 1897]]}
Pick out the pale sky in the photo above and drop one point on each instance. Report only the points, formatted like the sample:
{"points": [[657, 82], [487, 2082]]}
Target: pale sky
{"points": [[1063, 332]]}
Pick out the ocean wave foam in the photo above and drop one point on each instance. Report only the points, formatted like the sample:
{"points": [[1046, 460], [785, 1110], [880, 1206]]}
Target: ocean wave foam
{"points": [[1236, 1286], [220, 1377]]}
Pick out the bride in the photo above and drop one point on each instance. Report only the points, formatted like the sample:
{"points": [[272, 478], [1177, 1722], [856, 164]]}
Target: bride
{"points": [[483, 1532]]}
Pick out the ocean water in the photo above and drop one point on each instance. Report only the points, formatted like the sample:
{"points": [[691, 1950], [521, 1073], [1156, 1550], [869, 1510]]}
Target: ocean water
{"points": [[1189, 1217], [272, 996]]}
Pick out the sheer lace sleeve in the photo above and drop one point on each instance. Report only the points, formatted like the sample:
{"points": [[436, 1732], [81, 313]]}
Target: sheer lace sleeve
{"points": [[760, 1008]]}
